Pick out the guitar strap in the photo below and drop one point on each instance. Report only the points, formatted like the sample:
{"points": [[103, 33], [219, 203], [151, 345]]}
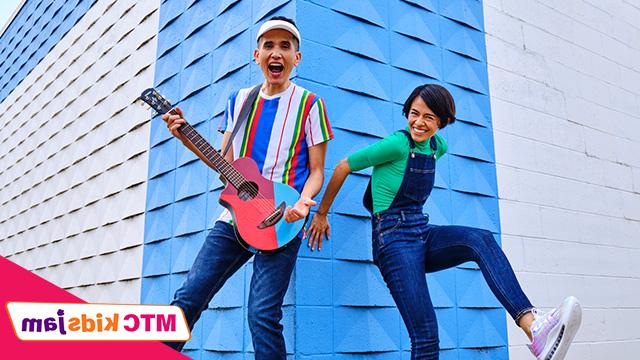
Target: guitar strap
{"points": [[244, 115]]}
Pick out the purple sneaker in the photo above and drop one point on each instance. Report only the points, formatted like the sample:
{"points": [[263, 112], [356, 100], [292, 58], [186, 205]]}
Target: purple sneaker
{"points": [[553, 332]]}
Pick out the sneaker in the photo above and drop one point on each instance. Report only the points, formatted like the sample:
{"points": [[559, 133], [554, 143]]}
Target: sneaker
{"points": [[553, 332]]}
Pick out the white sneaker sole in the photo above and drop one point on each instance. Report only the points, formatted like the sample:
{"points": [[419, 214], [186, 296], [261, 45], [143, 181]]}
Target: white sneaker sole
{"points": [[569, 325]]}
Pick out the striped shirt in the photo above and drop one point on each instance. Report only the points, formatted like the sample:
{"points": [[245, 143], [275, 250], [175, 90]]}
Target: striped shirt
{"points": [[278, 133]]}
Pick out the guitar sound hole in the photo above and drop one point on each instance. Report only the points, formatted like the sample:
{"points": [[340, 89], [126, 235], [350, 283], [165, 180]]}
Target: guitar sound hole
{"points": [[247, 191]]}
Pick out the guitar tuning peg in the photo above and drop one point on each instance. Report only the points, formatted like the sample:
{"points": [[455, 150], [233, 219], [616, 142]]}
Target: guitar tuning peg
{"points": [[140, 102], [143, 104]]}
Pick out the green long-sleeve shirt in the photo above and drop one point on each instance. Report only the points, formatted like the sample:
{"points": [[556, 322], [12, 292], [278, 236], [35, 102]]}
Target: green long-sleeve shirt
{"points": [[389, 160]]}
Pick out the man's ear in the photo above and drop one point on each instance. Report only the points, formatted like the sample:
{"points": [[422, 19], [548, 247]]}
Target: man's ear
{"points": [[256, 54], [298, 58]]}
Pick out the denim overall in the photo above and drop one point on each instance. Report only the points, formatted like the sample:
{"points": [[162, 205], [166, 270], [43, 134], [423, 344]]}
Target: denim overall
{"points": [[405, 247], [419, 177]]}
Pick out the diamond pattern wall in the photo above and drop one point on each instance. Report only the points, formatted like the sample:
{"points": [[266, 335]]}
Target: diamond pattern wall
{"points": [[35, 30], [73, 179], [364, 58]]}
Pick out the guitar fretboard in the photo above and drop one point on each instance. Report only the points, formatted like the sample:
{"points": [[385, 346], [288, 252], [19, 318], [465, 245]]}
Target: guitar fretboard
{"points": [[222, 166]]}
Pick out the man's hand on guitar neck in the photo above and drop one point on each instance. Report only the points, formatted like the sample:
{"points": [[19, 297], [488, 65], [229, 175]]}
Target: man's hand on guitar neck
{"points": [[174, 122], [300, 210]]}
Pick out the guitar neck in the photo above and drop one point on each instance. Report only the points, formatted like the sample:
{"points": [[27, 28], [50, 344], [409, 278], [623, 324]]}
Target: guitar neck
{"points": [[210, 153]]}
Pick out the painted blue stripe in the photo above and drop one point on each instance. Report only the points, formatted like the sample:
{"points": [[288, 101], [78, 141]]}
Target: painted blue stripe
{"points": [[364, 82]]}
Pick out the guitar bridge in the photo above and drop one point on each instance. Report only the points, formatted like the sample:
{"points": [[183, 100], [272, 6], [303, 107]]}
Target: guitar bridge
{"points": [[274, 217]]}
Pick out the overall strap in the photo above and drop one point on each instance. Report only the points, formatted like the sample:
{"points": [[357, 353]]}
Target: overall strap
{"points": [[412, 144], [244, 115], [434, 144]]}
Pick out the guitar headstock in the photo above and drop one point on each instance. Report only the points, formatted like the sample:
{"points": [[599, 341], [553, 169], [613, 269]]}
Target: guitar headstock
{"points": [[156, 101]]}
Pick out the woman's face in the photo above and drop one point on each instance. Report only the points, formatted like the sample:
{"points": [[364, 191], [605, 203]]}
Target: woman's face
{"points": [[423, 123]]}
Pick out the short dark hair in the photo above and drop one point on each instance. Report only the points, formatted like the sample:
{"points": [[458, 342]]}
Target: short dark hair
{"points": [[296, 43], [438, 99]]}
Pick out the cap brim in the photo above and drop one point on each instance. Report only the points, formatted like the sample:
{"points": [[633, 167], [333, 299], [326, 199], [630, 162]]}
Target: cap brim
{"points": [[278, 25]]}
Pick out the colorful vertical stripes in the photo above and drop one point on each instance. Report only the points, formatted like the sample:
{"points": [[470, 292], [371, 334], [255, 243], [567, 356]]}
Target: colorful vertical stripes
{"points": [[289, 173], [327, 133], [279, 132], [250, 129]]}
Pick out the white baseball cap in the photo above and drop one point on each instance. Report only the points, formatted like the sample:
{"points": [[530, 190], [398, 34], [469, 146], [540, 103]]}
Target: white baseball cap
{"points": [[278, 24]]}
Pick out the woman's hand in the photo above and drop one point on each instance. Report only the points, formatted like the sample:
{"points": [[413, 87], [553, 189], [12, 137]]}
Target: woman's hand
{"points": [[318, 229]]}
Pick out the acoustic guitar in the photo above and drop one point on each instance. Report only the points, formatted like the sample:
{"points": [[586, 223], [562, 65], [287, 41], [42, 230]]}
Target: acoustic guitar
{"points": [[256, 204]]}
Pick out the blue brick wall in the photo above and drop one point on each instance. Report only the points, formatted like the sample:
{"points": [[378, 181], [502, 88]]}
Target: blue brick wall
{"points": [[364, 57], [36, 29]]}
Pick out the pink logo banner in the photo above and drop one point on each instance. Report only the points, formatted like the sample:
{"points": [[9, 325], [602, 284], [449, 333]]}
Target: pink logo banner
{"points": [[21, 286]]}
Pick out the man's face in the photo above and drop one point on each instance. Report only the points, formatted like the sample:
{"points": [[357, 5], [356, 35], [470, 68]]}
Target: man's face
{"points": [[277, 56]]}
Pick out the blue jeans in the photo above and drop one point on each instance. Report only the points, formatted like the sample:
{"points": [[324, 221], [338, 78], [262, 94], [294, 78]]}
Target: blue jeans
{"points": [[220, 257], [405, 247]]}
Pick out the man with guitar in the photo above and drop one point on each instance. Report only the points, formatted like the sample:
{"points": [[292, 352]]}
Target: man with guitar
{"points": [[285, 130]]}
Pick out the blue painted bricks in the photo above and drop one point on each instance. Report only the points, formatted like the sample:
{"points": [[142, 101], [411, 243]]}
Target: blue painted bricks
{"points": [[36, 29], [364, 57]]}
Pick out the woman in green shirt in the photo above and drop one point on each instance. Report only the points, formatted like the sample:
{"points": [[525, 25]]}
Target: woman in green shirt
{"points": [[406, 246]]}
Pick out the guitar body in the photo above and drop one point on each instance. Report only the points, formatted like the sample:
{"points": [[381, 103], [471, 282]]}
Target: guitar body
{"points": [[249, 212]]}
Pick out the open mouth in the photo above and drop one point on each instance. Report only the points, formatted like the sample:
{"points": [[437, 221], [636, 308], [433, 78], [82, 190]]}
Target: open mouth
{"points": [[276, 69]]}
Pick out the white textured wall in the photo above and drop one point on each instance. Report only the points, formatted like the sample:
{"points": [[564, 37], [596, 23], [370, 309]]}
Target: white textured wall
{"points": [[73, 151], [565, 98]]}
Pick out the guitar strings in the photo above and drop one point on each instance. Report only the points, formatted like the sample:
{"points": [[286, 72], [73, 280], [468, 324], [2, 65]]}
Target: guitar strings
{"points": [[259, 199]]}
